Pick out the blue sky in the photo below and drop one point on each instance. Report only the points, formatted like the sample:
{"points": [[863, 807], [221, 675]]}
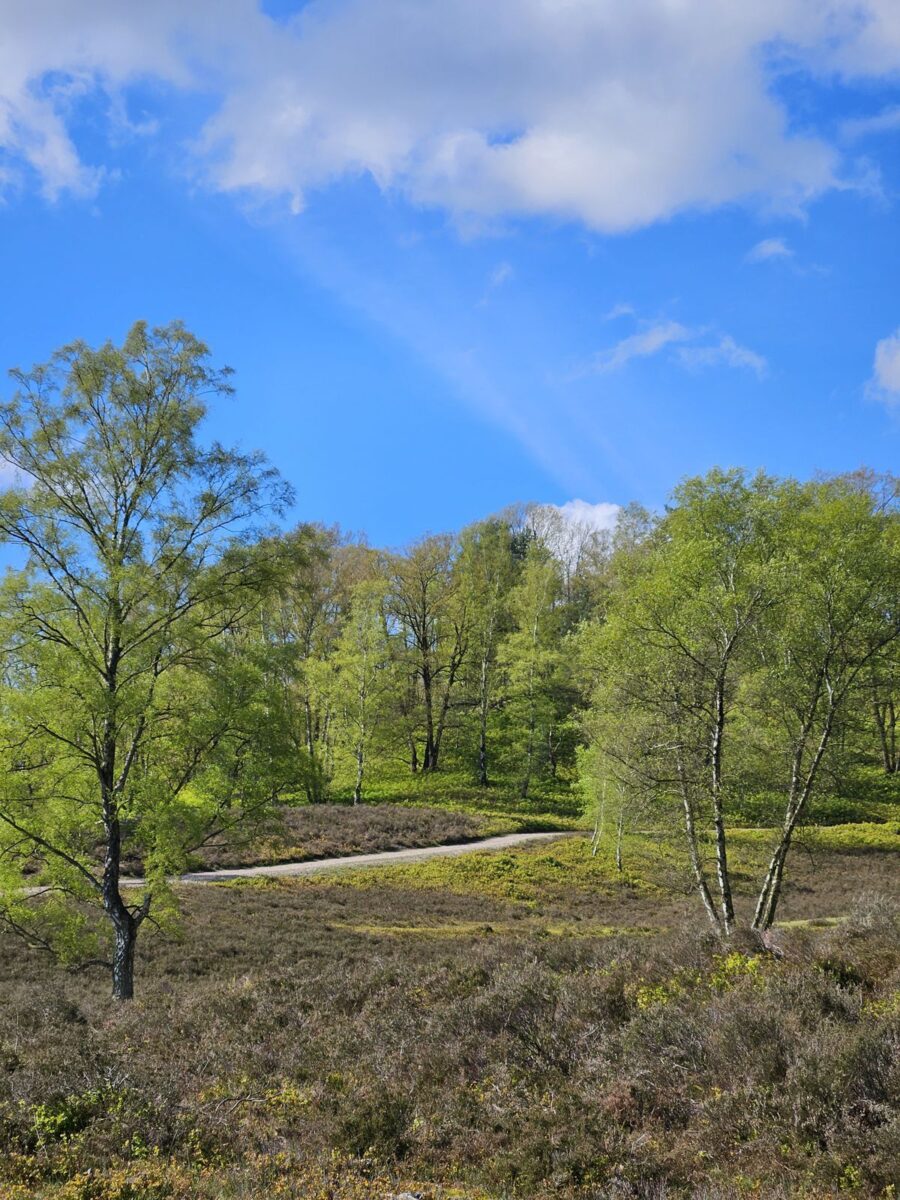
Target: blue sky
{"points": [[460, 256]]}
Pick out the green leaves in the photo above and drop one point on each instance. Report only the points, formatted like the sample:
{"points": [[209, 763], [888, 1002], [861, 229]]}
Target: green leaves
{"points": [[740, 642], [136, 713]]}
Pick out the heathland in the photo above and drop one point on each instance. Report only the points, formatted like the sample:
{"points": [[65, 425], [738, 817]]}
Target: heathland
{"points": [[532, 1023], [692, 990]]}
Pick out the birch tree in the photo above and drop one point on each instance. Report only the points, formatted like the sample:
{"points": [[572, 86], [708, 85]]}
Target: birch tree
{"points": [[672, 653], [122, 688], [487, 568], [303, 622], [741, 638], [839, 618], [365, 675], [531, 656]]}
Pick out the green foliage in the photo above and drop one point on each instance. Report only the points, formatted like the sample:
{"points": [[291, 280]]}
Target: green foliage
{"points": [[861, 835], [454, 788], [865, 795], [723, 973], [135, 711], [466, 673], [731, 672], [60, 1120], [527, 873], [364, 677], [174, 669]]}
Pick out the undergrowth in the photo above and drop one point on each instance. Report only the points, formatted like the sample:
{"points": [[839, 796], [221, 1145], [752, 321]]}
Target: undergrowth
{"points": [[318, 1059]]}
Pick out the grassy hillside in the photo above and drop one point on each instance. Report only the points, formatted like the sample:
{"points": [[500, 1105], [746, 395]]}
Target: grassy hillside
{"points": [[400, 811], [297, 834]]}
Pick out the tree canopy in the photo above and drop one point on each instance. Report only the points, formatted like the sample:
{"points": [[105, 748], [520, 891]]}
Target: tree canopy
{"points": [[135, 713]]}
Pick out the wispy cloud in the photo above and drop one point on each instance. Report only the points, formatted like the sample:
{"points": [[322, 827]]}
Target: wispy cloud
{"points": [[885, 382], [619, 310], [724, 353], [502, 273], [886, 121], [769, 249], [643, 344], [694, 349]]}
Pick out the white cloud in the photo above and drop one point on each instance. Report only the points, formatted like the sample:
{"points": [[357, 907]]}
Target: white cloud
{"points": [[610, 114], [572, 530], [693, 349], [885, 121], [768, 249], [726, 352], [501, 274], [642, 344], [865, 37], [600, 517], [619, 310], [885, 382], [615, 115], [55, 53]]}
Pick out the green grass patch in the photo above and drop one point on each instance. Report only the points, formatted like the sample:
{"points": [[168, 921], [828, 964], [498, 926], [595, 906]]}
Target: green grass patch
{"points": [[548, 808], [522, 929], [858, 836], [865, 795], [551, 870]]}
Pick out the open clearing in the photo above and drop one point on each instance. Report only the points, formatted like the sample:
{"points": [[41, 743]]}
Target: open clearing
{"points": [[382, 858], [522, 1022]]}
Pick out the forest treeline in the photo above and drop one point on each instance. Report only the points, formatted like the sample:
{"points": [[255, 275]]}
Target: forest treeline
{"points": [[753, 623], [175, 663], [740, 648], [460, 652]]}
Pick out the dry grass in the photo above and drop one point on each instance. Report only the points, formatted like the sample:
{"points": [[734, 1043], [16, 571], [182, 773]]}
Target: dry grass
{"points": [[327, 1040], [336, 830]]}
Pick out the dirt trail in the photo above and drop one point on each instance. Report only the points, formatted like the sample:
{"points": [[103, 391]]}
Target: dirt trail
{"points": [[384, 858]]}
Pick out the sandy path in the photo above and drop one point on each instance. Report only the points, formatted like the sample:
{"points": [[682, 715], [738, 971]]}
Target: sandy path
{"points": [[385, 858]]}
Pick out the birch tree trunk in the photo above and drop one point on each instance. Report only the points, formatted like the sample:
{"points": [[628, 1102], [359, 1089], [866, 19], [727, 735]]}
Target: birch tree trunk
{"points": [[690, 829], [800, 790], [722, 874], [886, 723], [482, 723]]}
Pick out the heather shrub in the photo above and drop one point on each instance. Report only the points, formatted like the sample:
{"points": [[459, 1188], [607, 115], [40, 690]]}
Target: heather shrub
{"points": [[290, 1031]]}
